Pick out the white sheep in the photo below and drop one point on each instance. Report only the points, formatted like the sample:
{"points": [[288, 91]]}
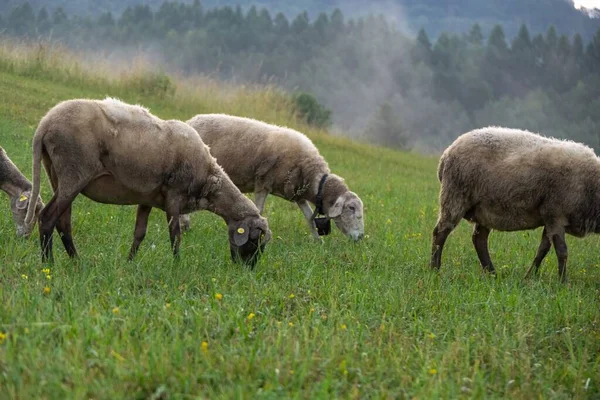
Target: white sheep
{"points": [[269, 159], [116, 153], [509, 180], [18, 189]]}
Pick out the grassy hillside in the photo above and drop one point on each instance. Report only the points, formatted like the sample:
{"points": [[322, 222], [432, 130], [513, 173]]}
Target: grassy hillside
{"points": [[337, 320]]}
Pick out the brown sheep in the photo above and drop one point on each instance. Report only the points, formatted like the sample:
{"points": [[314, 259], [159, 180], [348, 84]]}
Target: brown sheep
{"points": [[269, 159], [116, 153], [510, 180], [18, 189]]}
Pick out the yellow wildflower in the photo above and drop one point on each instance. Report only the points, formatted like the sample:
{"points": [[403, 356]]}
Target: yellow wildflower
{"points": [[168, 305], [344, 327], [24, 276], [251, 315], [48, 277], [3, 337], [46, 271], [219, 296], [46, 290], [291, 324], [204, 346], [292, 295], [115, 310], [312, 309], [431, 335], [432, 371], [117, 355]]}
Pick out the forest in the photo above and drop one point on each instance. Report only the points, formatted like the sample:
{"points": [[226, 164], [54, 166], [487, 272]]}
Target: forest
{"points": [[436, 16], [380, 83]]}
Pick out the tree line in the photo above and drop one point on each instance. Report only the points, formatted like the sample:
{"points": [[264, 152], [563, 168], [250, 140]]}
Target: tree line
{"points": [[381, 84]]}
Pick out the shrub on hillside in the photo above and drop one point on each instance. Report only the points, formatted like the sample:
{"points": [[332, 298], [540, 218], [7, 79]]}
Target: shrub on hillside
{"points": [[308, 109]]}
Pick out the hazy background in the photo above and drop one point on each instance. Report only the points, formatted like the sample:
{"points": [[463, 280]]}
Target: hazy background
{"points": [[402, 73]]}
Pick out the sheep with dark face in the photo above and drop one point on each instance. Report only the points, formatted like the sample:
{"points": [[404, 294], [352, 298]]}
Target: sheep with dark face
{"points": [[18, 189], [510, 180], [269, 159], [116, 153]]}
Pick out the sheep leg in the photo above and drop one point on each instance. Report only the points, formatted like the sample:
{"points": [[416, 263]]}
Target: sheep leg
{"points": [[440, 234], [542, 251], [49, 217], [184, 222], [63, 226], [480, 241], [141, 226], [308, 213], [560, 246], [174, 231], [260, 198]]}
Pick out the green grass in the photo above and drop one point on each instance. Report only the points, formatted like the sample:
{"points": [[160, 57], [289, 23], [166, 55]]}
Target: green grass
{"points": [[366, 320]]}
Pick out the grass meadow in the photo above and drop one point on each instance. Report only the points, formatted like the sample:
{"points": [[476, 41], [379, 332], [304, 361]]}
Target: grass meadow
{"points": [[338, 320]]}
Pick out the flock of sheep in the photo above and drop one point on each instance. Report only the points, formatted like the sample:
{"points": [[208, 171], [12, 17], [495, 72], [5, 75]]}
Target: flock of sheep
{"points": [[116, 153]]}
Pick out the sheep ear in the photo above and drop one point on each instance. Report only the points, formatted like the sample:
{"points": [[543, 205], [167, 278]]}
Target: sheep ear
{"points": [[23, 200], [240, 236], [265, 236], [336, 209]]}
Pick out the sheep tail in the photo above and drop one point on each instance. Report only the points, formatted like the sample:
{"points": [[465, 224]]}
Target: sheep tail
{"points": [[35, 191], [440, 170]]}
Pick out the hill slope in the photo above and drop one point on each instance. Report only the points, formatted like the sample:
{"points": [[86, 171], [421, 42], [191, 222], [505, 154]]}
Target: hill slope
{"points": [[337, 320]]}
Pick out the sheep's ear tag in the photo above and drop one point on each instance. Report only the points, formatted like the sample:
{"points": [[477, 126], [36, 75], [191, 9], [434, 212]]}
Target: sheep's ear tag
{"points": [[323, 226], [23, 198], [241, 237]]}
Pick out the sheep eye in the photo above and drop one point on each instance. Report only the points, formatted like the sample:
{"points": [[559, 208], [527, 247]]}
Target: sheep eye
{"points": [[352, 208]]}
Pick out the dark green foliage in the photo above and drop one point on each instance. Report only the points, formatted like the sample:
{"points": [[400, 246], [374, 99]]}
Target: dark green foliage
{"points": [[475, 36], [310, 111], [422, 48], [155, 85]]}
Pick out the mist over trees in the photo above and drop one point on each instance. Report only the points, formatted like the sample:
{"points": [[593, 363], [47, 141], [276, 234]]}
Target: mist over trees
{"points": [[436, 16], [381, 84]]}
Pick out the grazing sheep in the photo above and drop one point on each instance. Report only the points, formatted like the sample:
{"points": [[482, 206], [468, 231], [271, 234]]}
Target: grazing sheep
{"points": [[116, 153], [18, 189], [511, 180], [264, 159]]}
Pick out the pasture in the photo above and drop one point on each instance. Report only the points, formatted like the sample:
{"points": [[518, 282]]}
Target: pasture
{"points": [[365, 320]]}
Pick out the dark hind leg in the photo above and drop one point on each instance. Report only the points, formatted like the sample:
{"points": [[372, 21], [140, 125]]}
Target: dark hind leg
{"points": [[560, 246], [63, 225], [445, 225], [141, 225], [480, 241], [542, 251], [49, 217]]}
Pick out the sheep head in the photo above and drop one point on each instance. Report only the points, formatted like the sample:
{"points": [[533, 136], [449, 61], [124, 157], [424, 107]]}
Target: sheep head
{"points": [[18, 206], [347, 213], [248, 238]]}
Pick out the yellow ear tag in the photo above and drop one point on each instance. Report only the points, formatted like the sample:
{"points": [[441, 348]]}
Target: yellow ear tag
{"points": [[240, 230], [22, 198]]}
